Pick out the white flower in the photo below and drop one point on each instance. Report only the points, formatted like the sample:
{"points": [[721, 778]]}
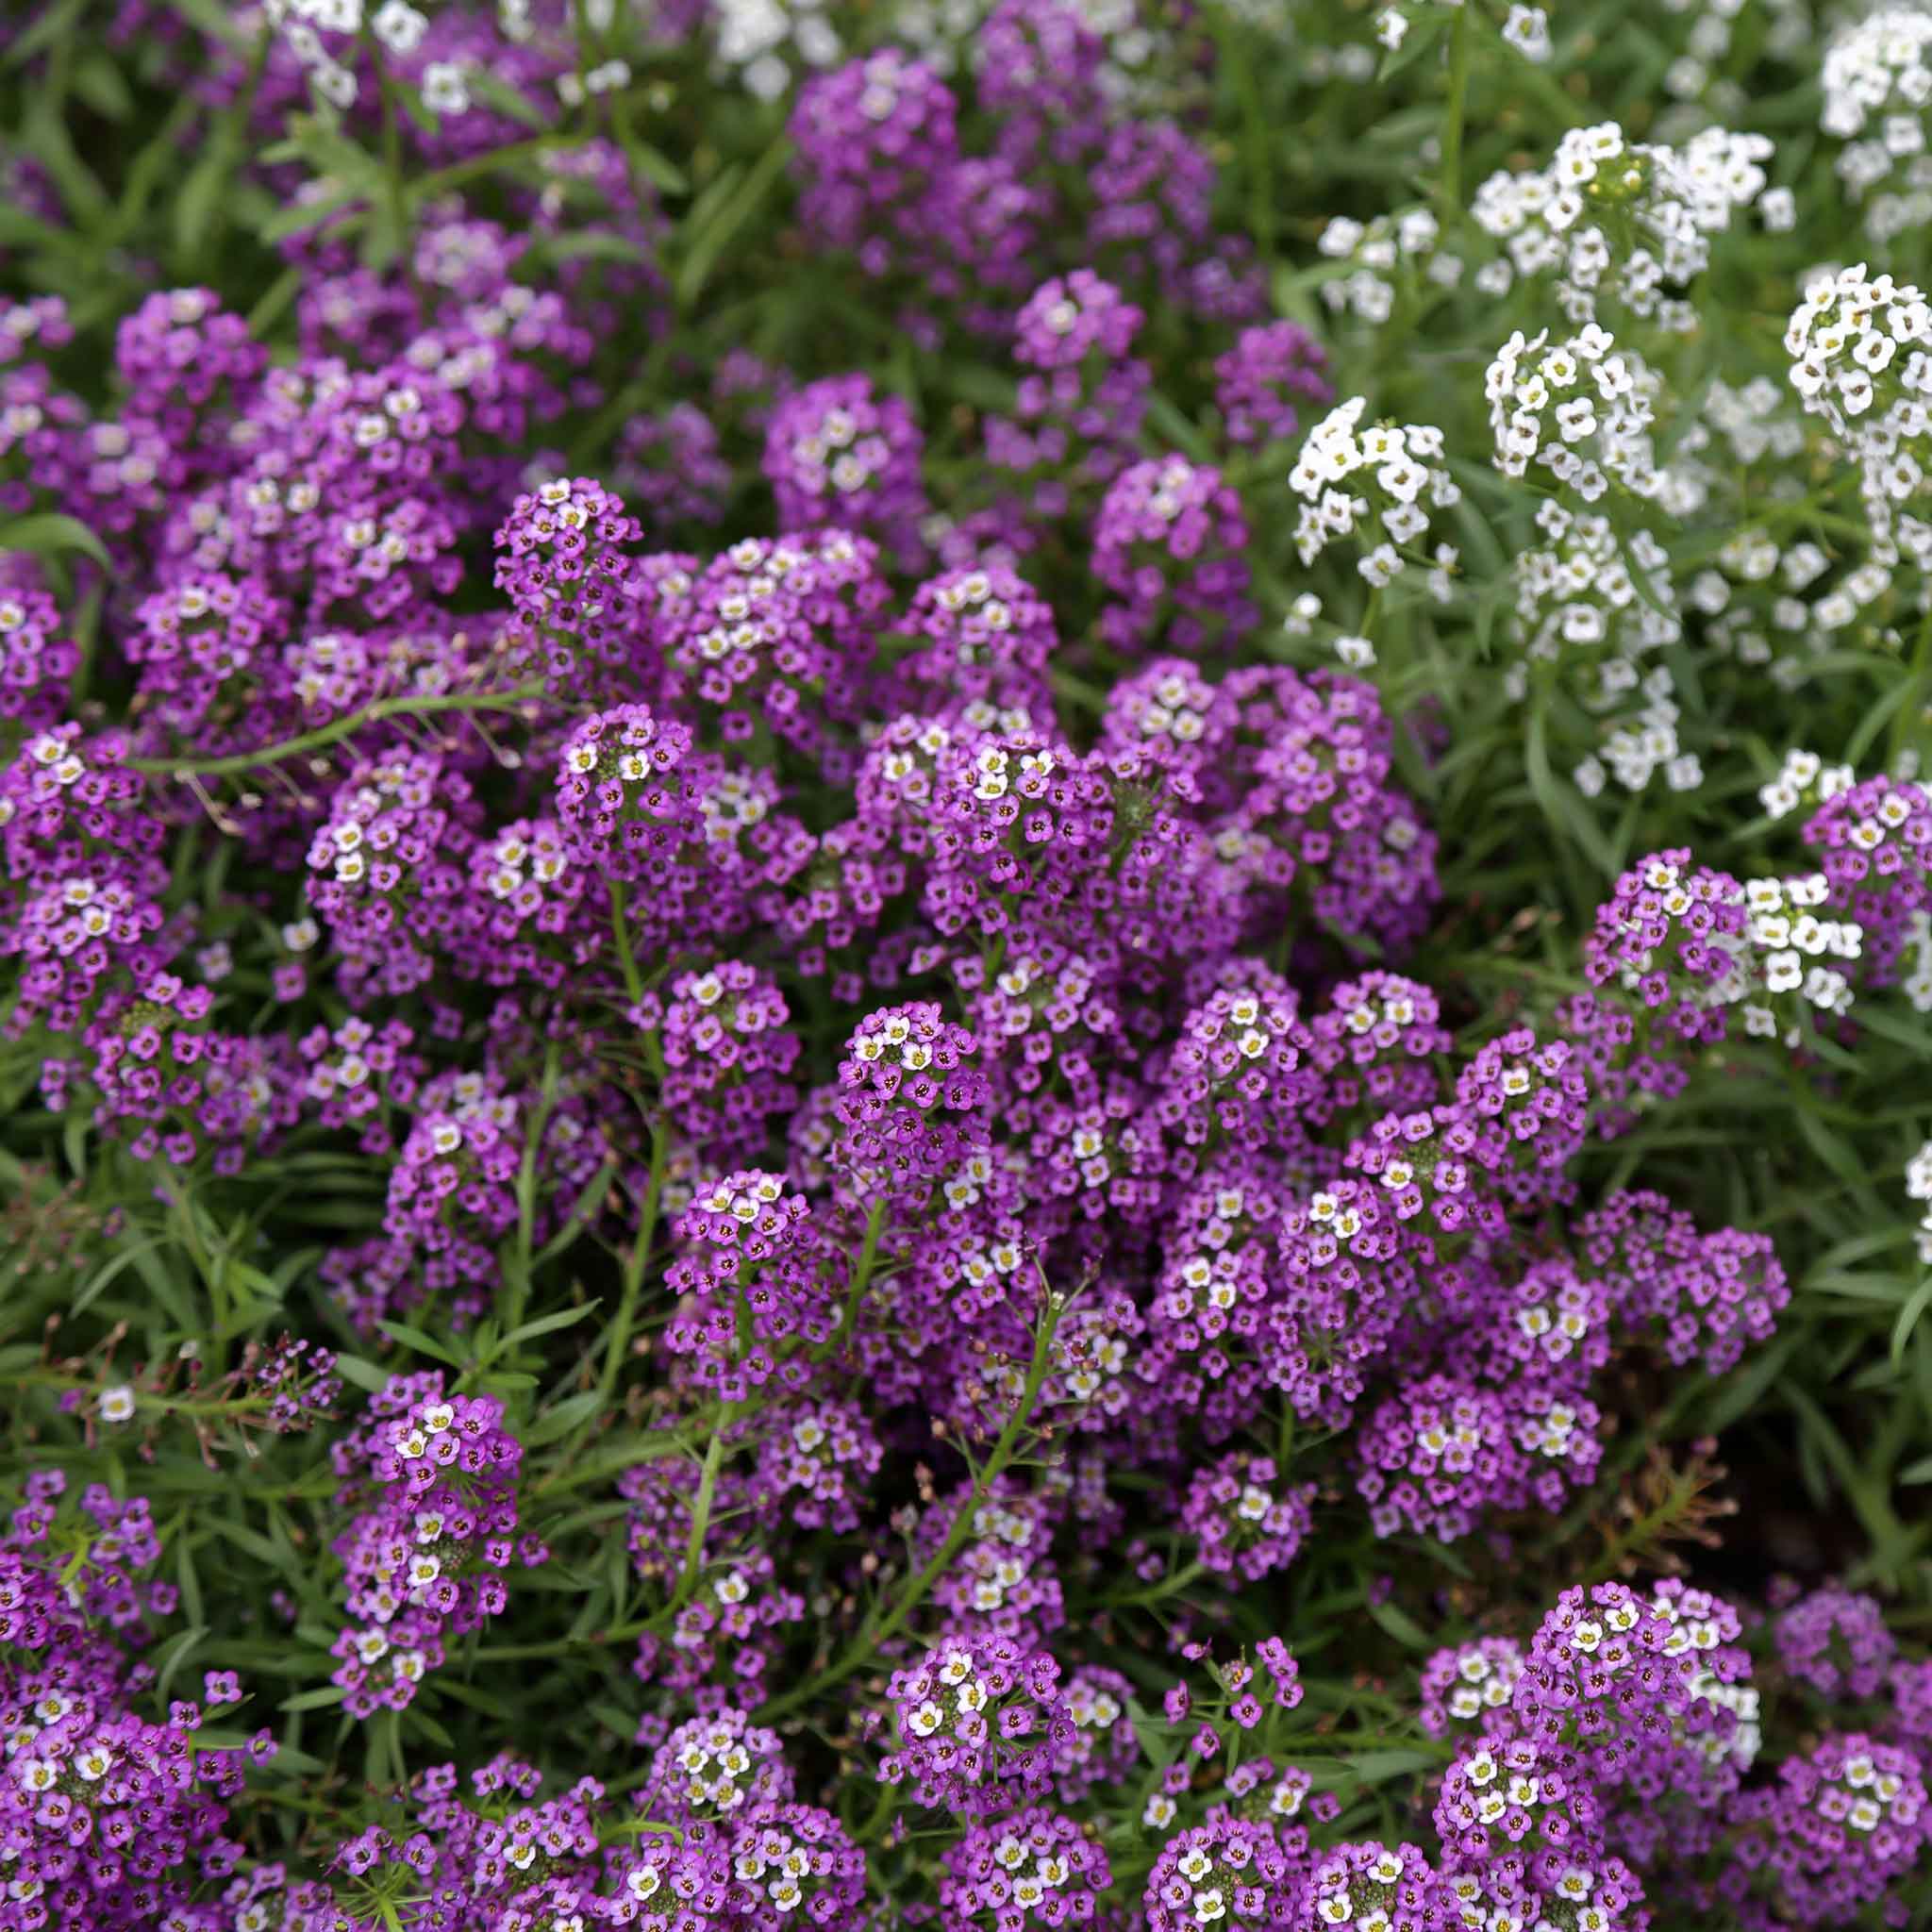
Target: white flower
{"points": [[116, 1404], [1527, 29], [399, 27], [445, 88]]}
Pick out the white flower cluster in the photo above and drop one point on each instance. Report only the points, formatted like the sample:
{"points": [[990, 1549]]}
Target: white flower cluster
{"points": [[714, 1768], [1881, 62], [1399, 465], [1782, 32], [606, 77], [957, 1697], [733, 805], [1790, 942], [1774, 975], [743, 1197], [1379, 251], [55, 756], [1675, 198], [1860, 355], [828, 458], [302, 25], [1804, 781], [1483, 1684], [1862, 1797], [1877, 79], [1641, 743], [756, 36], [1583, 588], [1753, 610], [1917, 983], [1918, 1188], [1580, 408], [1754, 420], [1858, 348], [516, 861]]}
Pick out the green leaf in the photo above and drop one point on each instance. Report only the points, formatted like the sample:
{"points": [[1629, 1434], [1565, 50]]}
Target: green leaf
{"points": [[47, 533], [318, 1699], [55, 25], [422, 1341], [1423, 34], [494, 92], [1909, 1320], [709, 242], [1379, 1766], [174, 1652], [98, 82], [561, 1420], [1160, 1741], [548, 1325], [1402, 1626], [312, 213]]}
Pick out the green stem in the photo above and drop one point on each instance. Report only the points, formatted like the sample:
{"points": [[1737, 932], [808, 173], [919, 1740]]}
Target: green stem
{"points": [[1167, 1586], [701, 1508], [394, 176], [882, 1627], [627, 959], [635, 1267], [518, 1298], [1452, 110], [333, 734], [861, 1277], [1911, 716]]}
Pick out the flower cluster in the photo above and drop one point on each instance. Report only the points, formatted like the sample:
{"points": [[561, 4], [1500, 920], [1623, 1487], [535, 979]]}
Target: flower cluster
{"points": [[978, 1722], [425, 1560], [916, 1005]]}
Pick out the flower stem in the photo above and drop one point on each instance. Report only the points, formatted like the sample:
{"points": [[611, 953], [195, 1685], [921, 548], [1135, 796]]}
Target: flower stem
{"points": [[701, 1508], [333, 734], [627, 959], [1454, 110], [635, 1267], [881, 1626], [861, 1277]]}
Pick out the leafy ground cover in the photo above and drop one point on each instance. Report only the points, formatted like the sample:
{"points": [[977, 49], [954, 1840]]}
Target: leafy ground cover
{"points": [[965, 965]]}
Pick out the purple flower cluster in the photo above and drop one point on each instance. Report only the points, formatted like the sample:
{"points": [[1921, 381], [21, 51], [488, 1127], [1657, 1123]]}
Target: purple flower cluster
{"points": [[726, 1053], [886, 176], [910, 1094], [1462, 1685], [1231, 1872], [1274, 372], [425, 1558], [106, 1818], [838, 457], [978, 1722], [715, 1766], [1033, 1867], [1835, 1642], [1875, 846], [1169, 543], [1246, 1521], [710, 845]]}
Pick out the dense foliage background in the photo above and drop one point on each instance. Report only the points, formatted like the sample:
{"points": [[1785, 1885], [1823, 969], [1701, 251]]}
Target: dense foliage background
{"points": [[965, 964]]}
